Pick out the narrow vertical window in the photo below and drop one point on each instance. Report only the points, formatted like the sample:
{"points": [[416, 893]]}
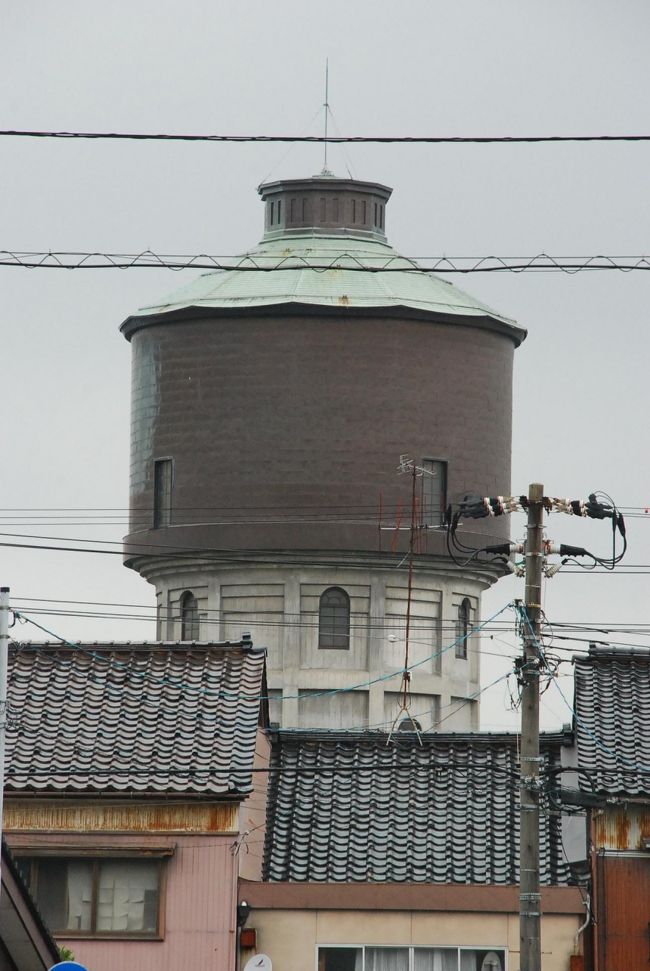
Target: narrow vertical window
{"points": [[381, 217], [376, 219], [162, 493], [304, 210], [279, 209], [463, 627], [354, 210], [334, 619], [434, 492], [364, 211], [189, 617]]}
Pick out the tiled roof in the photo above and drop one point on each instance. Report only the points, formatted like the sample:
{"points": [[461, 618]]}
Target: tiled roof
{"points": [[612, 725], [349, 807], [159, 717]]}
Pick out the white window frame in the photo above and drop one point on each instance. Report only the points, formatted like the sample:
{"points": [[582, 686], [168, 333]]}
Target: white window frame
{"points": [[412, 948]]}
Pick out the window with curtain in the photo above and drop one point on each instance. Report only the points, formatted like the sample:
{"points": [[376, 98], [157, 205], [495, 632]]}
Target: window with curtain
{"points": [[463, 627], [334, 619], [367, 958], [96, 897], [386, 959], [189, 617]]}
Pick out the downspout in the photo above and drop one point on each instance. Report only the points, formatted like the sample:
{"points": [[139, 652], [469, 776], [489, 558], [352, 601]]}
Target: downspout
{"points": [[576, 947], [595, 894]]}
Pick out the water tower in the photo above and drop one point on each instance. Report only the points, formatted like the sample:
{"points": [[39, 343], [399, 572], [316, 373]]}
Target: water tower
{"points": [[271, 403]]}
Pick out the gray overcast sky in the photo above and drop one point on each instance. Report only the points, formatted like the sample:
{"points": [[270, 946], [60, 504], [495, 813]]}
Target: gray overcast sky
{"points": [[467, 68]]}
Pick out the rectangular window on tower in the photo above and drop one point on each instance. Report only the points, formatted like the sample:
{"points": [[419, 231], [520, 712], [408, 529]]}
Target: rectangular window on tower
{"points": [[162, 493], [434, 492]]}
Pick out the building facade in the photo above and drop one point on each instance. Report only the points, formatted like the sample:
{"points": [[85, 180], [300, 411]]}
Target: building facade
{"points": [[271, 403], [129, 796], [612, 726], [390, 857]]}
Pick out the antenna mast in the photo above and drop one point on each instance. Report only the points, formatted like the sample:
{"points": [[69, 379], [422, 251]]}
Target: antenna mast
{"points": [[326, 106]]}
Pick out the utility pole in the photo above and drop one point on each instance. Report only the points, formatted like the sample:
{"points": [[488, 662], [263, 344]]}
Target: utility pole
{"points": [[535, 550], [4, 662], [529, 891]]}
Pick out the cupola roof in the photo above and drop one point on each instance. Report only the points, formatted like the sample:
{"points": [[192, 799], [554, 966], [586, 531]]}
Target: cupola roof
{"points": [[324, 245]]}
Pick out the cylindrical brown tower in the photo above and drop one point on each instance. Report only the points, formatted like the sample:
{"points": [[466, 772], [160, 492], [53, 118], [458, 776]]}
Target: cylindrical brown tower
{"points": [[270, 405]]}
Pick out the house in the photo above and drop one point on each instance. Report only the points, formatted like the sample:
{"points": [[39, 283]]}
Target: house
{"points": [[380, 853], [25, 942], [130, 798], [612, 730]]}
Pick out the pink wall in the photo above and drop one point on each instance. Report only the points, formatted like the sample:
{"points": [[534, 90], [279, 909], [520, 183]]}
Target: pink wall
{"points": [[199, 916], [252, 815]]}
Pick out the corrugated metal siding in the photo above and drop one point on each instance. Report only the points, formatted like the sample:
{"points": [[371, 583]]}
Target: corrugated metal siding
{"points": [[200, 917], [623, 924]]}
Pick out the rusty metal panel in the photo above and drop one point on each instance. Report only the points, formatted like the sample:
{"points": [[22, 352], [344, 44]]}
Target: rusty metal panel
{"points": [[623, 828], [623, 914], [25, 815]]}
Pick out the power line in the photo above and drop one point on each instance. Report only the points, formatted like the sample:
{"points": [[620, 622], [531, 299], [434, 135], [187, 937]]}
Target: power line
{"points": [[329, 139], [261, 622], [230, 554], [344, 261], [602, 627], [616, 755], [628, 510], [182, 686]]}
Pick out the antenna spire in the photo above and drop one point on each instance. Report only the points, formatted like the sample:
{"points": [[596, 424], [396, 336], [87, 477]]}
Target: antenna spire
{"points": [[326, 106]]}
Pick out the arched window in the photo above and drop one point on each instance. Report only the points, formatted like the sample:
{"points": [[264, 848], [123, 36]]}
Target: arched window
{"points": [[334, 619], [189, 617], [463, 627]]}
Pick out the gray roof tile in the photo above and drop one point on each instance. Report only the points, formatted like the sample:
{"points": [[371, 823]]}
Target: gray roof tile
{"points": [[446, 811], [612, 723], [159, 717]]}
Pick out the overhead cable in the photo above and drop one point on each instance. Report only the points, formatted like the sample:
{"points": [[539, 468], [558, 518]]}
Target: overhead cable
{"points": [[344, 261], [199, 692], [329, 139]]}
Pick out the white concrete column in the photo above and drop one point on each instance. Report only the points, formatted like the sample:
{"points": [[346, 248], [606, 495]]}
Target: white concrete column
{"points": [[215, 626], [376, 640]]}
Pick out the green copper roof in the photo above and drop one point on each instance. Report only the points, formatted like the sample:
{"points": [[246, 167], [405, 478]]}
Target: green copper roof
{"points": [[326, 271], [322, 237]]}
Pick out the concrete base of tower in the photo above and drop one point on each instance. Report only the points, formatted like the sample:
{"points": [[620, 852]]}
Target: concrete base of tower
{"points": [[335, 628]]}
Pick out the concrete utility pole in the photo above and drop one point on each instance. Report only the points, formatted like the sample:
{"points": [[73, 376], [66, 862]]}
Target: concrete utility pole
{"points": [[535, 549], [529, 892]]}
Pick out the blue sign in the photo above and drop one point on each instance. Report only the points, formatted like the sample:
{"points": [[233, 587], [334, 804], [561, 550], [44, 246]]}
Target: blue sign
{"points": [[68, 966]]}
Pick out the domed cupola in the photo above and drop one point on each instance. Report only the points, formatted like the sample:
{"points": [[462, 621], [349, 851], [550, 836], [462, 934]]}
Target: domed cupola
{"points": [[325, 205]]}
